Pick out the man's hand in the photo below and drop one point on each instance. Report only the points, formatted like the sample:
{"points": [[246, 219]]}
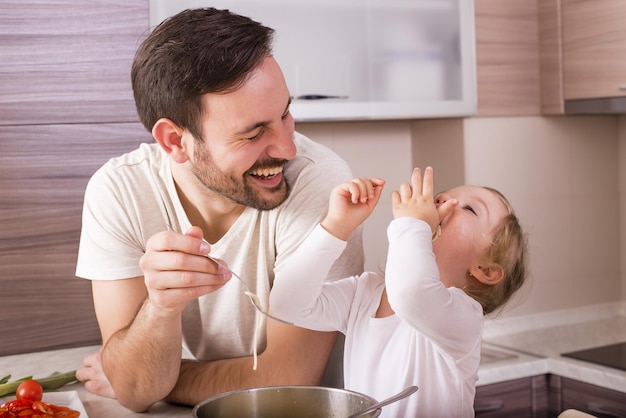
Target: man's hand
{"points": [[177, 270], [92, 375]]}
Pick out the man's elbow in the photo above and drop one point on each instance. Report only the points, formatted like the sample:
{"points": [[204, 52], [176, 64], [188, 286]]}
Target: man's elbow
{"points": [[135, 403]]}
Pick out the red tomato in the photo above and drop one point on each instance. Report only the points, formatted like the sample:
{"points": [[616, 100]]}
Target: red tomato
{"points": [[29, 389]]}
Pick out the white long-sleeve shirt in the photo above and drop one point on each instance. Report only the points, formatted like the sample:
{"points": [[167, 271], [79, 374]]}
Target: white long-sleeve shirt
{"points": [[432, 341]]}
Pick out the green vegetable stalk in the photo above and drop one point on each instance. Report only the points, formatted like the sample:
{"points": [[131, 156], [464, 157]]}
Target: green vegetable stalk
{"points": [[48, 383]]}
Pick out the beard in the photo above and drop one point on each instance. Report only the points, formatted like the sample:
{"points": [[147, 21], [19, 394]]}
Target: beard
{"points": [[244, 191]]}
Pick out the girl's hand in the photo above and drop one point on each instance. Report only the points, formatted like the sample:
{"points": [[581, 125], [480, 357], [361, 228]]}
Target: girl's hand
{"points": [[417, 200], [350, 205]]}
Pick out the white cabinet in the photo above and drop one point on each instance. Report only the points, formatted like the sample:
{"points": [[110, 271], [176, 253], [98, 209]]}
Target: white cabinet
{"points": [[376, 59]]}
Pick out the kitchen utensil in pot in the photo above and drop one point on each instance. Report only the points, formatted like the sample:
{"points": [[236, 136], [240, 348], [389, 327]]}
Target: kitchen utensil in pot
{"points": [[286, 402], [400, 395]]}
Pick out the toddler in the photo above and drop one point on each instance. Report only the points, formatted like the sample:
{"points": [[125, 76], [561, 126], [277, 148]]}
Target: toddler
{"points": [[452, 259]]}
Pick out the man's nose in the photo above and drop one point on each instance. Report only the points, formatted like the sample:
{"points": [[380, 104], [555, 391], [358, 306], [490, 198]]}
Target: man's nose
{"points": [[282, 145]]}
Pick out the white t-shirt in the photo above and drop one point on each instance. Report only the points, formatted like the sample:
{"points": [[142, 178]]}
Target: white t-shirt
{"points": [[133, 197], [432, 341]]}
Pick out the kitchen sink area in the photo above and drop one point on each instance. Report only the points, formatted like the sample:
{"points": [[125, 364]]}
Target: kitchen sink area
{"points": [[586, 344], [490, 354]]}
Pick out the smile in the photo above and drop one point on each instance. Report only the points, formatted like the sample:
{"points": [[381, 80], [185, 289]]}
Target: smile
{"points": [[267, 172]]}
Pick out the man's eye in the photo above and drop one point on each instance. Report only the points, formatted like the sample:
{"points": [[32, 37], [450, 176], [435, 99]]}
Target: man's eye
{"points": [[255, 137], [471, 209]]}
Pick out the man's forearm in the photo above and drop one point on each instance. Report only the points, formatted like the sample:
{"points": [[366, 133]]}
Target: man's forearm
{"points": [[142, 361], [298, 357]]}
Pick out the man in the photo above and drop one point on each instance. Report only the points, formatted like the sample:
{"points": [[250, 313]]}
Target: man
{"points": [[227, 176]]}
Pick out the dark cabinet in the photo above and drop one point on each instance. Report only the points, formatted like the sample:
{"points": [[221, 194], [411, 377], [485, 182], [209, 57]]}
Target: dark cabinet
{"points": [[546, 396], [525, 397], [594, 400]]}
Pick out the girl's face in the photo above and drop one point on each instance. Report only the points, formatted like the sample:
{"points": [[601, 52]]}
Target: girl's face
{"points": [[466, 232]]}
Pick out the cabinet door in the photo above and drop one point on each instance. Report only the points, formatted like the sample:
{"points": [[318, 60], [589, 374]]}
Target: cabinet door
{"points": [[375, 59], [598, 401], [594, 47], [510, 399], [507, 61], [525, 397]]}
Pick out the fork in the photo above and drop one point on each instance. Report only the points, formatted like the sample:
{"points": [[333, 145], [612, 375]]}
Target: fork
{"points": [[254, 299]]}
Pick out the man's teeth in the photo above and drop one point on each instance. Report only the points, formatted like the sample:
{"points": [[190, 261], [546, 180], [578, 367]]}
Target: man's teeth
{"points": [[267, 172]]}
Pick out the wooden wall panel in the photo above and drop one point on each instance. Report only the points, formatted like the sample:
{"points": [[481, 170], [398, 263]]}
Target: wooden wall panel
{"points": [[43, 173], [65, 61], [66, 107], [550, 57], [507, 57]]}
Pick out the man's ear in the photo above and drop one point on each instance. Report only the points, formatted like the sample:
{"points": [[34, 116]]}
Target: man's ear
{"points": [[489, 274], [170, 137]]}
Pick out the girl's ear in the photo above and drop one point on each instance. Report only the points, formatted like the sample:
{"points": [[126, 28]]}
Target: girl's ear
{"points": [[489, 274], [170, 137]]}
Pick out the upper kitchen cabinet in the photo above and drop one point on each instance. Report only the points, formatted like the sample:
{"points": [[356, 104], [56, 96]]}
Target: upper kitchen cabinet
{"points": [[365, 59], [582, 46], [507, 58], [65, 61]]}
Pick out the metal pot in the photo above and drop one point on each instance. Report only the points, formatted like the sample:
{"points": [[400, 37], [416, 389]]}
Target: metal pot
{"points": [[285, 402]]}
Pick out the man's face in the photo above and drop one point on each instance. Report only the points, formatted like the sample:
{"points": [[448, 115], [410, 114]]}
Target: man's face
{"points": [[247, 140]]}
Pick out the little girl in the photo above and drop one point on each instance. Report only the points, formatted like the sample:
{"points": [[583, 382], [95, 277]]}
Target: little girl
{"points": [[452, 258]]}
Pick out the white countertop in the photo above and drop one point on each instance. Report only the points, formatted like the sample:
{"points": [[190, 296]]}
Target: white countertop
{"points": [[44, 363], [512, 348], [537, 342]]}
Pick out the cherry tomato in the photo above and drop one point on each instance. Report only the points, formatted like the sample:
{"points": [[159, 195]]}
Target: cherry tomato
{"points": [[29, 389]]}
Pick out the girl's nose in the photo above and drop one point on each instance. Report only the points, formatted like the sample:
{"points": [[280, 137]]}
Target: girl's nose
{"points": [[441, 199]]}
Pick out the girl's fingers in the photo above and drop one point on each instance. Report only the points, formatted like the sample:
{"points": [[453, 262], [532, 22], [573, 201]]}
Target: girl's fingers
{"points": [[405, 192], [363, 189], [416, 181], [427, 187]]}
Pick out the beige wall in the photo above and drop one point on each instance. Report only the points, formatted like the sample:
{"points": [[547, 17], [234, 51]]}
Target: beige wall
{"points": [[560, 173]]}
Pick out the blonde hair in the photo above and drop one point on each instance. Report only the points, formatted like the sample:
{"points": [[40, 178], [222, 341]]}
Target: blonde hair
{"points": [[509, 249]]}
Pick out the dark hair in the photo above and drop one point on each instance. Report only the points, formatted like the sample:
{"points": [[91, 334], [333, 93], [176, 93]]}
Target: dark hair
{"points": [[509, 249], [195, 52]]}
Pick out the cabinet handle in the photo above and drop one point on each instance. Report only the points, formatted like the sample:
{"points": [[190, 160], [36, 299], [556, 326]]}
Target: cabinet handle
{"points": [[489, 406], [598, 408]]}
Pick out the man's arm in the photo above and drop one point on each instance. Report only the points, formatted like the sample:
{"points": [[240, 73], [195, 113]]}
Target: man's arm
{"points": [[141, 376], [140, 318], [142, 337], [141, 360], [294, 356]]}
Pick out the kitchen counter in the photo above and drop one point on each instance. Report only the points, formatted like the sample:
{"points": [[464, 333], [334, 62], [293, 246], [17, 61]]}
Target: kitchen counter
{"points": [[512, 348], [532, 345], [44, 363]]}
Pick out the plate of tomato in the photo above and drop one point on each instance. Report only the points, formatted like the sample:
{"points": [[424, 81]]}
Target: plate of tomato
{"points": [[31, 401]]}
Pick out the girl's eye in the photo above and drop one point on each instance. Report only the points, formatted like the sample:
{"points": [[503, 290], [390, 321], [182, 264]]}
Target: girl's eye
{"points": [[285, 115], [471, 209]]}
